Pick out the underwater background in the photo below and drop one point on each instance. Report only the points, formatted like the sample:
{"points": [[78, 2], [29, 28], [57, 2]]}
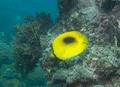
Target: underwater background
{"points": [[59, 43], [13, 12]]}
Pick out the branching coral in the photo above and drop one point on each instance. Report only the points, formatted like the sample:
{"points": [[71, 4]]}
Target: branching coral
{"points": [[42, 19], [27, 47]]}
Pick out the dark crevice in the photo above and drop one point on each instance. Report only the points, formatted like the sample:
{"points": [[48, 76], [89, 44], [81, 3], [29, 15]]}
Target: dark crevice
{"points": [[66, 5], [106, 5]]}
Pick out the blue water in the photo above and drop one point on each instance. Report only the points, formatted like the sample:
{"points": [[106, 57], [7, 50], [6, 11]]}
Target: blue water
{"points": [[13, 11]]}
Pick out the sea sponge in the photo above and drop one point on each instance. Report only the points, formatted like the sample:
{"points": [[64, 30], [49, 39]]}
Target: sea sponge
{"points": [[69, 44]]}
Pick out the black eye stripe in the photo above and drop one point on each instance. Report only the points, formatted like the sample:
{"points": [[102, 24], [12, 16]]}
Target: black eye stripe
{"points": [[68, 40]]}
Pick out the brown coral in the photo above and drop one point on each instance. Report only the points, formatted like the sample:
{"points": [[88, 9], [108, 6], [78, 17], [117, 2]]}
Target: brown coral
{"points": [[27, 46]]}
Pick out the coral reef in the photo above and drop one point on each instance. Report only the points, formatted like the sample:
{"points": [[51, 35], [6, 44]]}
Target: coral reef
{"points": [[98, 66], [43, 21], [27, 46], [107, 5], [108, 30]]}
